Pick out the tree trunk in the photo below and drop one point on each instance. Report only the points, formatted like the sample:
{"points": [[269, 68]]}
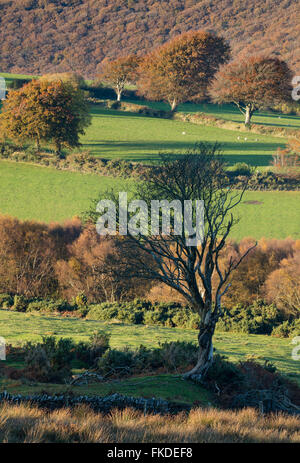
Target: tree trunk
{"points": [[173, 105], [119, 94], [205, 354], [38, 145], [248, 115], [58, 149]]}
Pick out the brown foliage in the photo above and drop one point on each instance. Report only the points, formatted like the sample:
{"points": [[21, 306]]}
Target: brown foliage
{"points": [[97, 266], [252, 83], [270, 271], [248, 280], [28, 252], [119, 72], [283, 285], [181, 69], [55, 36], [27, 255]]}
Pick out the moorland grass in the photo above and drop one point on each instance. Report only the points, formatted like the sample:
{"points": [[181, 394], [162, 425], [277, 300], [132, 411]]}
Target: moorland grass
{"points": [[29, 424]]}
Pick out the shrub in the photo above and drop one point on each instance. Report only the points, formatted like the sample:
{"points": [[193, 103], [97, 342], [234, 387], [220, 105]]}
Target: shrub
{"points": [[81, 300], [287, 329], [20, 303], [50, 360], [259, 318], [117, 362], [99, 344], [37, 363], [6, 301], [168, 357], [241, 168], [224, 375], [103, 312], [49, 306]]}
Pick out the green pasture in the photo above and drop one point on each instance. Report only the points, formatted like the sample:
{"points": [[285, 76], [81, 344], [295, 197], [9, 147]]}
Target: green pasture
{"points": [[229, 112], [134, 137], [49, 195], [17, 328]]}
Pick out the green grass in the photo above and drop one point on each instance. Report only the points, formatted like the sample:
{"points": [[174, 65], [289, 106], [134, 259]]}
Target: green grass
{"points": [[49, 195], [230, 112], [269, 214], [10, 77], [17, 328], [119, 134], [168, 387]]}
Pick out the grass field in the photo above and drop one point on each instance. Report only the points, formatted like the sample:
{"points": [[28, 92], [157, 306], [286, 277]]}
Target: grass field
{"points": [[119, 134], [229, 112], [32, 192], [18, 327], [45, 194]]}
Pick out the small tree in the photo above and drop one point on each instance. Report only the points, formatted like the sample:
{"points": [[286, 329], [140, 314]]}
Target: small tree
{"points": [[119, 73], [189, 269], [181, 69], [49, 111], [252, 83]]}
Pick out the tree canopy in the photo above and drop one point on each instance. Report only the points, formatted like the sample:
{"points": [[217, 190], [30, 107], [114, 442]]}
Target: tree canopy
{"points": [[119, 72], [252, 83], [45, 111], [182, 69]]}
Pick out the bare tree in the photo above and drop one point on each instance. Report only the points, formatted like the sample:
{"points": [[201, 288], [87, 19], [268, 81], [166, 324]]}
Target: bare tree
{"points": [[197, 175]]}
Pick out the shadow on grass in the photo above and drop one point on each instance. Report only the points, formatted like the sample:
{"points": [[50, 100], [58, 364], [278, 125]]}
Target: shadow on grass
{"points": [[148, 151]]}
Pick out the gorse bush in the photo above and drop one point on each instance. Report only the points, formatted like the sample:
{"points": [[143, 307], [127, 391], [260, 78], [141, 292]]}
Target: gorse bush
{"points": [[51, 360], [50, 306], [6, 301], [20, 304], [144, 312], [257, 318], [168, 357], [241, 168], [287, 329]]}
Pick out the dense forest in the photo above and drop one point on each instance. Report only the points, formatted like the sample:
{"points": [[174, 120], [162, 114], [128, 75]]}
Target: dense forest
{"points": [[38, 36]]}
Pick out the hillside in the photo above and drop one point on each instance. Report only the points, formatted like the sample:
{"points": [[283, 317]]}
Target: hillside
{"points": [[38, 36]]}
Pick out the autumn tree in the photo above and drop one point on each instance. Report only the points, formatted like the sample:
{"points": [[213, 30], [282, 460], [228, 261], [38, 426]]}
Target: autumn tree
{"points": [[181, 69], [282, 286], [97, 267], [28, 254], [247, 282], [184, 265], [45, 111], [119, 73], [27, 258], [252, 83]]}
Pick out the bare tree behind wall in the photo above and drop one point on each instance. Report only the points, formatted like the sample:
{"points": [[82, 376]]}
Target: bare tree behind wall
{"points": [[196, 175]]}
